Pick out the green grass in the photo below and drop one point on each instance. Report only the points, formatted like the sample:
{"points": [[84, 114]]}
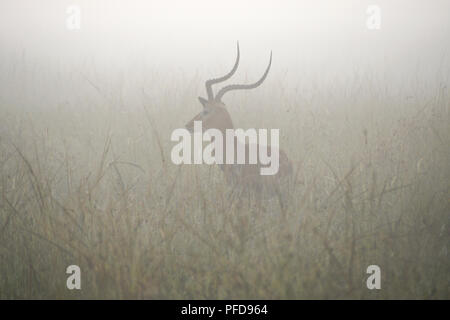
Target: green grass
{"points": [[86, 179]]}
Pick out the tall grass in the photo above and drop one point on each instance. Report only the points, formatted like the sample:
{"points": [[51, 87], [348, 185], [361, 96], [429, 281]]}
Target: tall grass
{"points": [[86, 179]]}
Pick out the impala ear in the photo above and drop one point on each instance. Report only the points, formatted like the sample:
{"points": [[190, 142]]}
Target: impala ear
{"points": [[203, 101]]}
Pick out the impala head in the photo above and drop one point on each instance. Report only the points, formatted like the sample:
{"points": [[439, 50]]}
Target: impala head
{"points": [[214, 113]]}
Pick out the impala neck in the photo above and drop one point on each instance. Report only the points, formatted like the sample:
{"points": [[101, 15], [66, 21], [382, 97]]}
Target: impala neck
{"points": [[227, 124]]}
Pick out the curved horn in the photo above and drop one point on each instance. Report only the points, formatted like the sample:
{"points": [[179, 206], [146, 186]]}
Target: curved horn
{"points": [[244, 86], [209, 83]]}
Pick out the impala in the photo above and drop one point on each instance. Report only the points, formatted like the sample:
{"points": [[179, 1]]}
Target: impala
{"points": [[215, 116]]}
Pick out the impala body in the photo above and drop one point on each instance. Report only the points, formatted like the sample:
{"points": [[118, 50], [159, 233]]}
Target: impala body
{"points": [[215, 116]]}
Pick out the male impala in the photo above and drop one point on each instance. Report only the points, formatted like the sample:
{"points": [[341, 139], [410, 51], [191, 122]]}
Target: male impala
{"points": [[215, 116]]}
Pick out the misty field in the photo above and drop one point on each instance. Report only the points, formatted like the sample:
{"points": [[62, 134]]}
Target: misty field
{"points": [[86, 178]]}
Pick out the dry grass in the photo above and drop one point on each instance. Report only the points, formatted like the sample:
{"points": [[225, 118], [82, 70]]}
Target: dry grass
{"points": [[83, 182]]}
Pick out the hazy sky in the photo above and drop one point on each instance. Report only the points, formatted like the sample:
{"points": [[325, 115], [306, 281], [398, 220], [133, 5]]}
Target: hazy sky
{"points": [[322, 35]]}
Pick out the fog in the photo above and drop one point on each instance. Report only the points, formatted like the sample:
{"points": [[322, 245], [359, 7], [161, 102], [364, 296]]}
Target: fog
{"points": [[359, 91], [326, 38]]}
